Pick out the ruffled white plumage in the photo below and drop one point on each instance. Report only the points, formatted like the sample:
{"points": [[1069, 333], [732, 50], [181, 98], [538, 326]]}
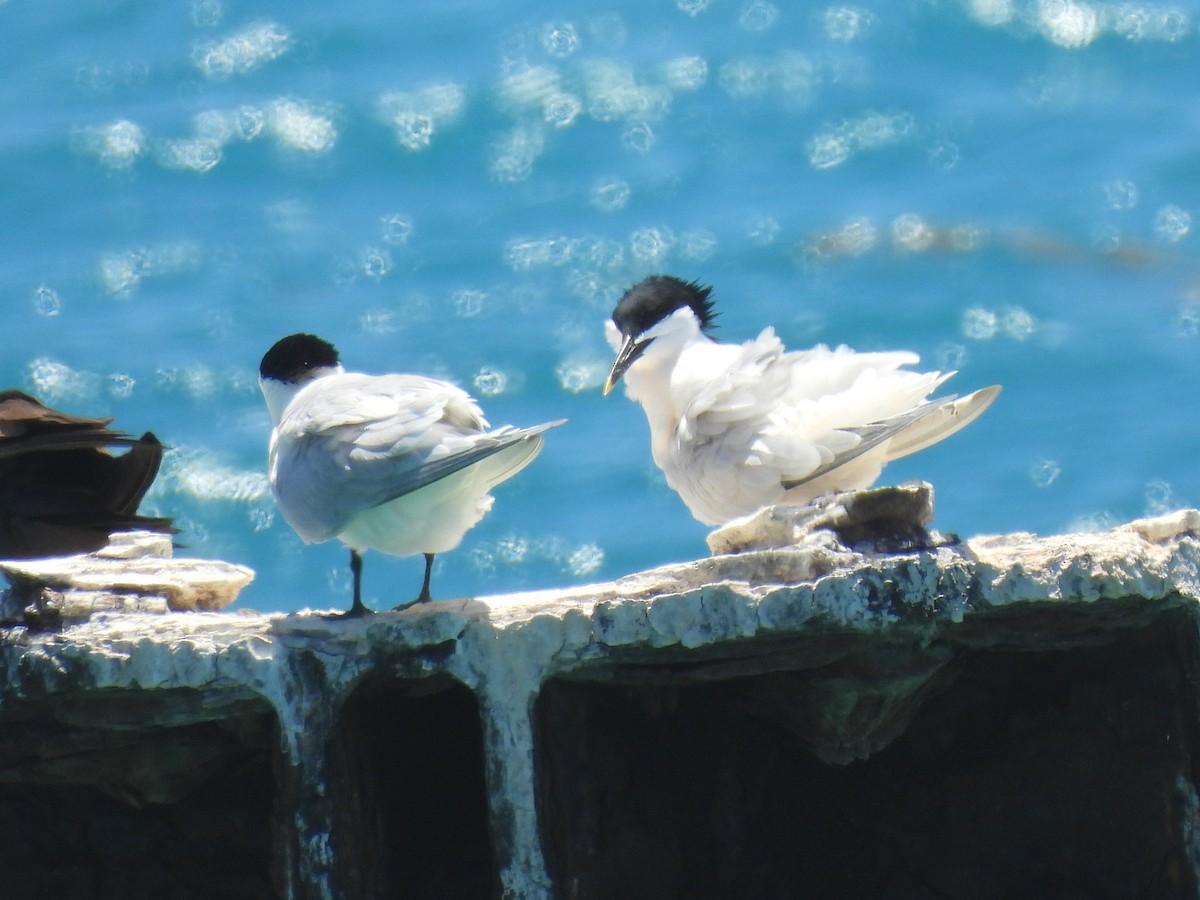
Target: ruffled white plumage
{"points": [[735, 427]]}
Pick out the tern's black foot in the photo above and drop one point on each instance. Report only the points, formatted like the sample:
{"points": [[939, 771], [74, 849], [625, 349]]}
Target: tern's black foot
{"points": [[357, 611], [424, 596]]}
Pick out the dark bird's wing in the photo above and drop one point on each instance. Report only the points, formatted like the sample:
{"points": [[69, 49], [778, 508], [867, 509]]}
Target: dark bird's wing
{"points": [[62, 490], [134, 472], [21, 413]]}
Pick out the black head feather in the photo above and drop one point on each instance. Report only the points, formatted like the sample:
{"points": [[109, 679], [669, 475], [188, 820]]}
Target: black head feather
{"points": [[650, 301], [295, 355]]}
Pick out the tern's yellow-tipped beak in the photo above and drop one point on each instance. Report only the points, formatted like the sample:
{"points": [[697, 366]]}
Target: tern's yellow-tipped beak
{"points": [[630, 351]]}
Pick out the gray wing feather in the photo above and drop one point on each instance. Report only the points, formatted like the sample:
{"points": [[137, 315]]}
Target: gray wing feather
{"points": [[872, 436], [346, 452], [435, 470], [914, 430], [942, 422]]}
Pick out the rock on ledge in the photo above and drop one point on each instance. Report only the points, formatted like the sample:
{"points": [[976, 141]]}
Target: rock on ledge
{"points": [[136, 572], [820, 716]]}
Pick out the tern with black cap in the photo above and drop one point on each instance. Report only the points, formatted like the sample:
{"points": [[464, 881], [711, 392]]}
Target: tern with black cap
{"points": [[402, 464], [736, 427]]}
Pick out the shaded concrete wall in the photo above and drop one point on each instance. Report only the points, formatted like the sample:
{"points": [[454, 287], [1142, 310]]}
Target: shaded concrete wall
{"points": [[999, 716]]}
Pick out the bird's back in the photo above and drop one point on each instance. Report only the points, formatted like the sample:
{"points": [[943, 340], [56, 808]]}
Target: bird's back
{"points": [[351, 443], [767, 417]]}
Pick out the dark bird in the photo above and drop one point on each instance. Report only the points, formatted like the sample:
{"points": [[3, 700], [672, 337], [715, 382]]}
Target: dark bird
{"points": [[62, 489]]}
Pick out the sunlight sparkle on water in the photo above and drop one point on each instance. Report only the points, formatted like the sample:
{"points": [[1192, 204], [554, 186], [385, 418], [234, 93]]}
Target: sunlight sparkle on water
{"points": [[846, 23], [1172, 223], [758, 16], [610, 195], [515, 152], [117, 145], [520, 549], [490, 382], [417, 116], [582, 372], [686, 73], [301, 127], [1044, 473], [980, 324], [692, 7], [912, 233], [242, 52], [121, 385], [197, 473], [46, 302], [560, 40], [55, 382], [853, 239]]}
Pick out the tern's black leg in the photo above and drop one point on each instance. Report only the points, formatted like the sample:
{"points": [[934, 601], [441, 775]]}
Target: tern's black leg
{"points": [[424, 596], [358, 609]]}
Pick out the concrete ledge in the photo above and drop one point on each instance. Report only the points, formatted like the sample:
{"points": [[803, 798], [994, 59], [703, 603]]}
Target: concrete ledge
{"points": [[803, 720]]}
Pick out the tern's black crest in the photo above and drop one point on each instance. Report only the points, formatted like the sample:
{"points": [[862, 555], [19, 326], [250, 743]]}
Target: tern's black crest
{"points": [[650, 301], [296, 354]]}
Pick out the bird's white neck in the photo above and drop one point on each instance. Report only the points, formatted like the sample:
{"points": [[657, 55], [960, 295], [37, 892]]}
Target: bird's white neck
{"points": [[667, 375], [279, 394]]}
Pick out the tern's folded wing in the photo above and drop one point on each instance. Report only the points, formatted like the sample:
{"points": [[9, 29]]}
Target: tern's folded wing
{"points": [[911, 431], [379, 411], [769, 417], [322, 480], [503, 453]]}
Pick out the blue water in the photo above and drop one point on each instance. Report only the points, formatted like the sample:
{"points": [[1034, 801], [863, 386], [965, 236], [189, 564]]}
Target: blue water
{"points": [[464, 189]]}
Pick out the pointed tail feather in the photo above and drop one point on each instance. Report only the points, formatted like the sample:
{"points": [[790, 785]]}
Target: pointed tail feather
{"points": [[871, 436], [941, 422], [134, 473], [912, 431], [34, 536]]}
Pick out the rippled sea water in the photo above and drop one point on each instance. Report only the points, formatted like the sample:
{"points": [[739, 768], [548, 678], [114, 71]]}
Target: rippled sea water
{"points": [[464, 189]]}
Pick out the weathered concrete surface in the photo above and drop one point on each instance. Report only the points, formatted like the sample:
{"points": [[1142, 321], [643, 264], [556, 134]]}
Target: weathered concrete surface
{"points": [[599, 741]]}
